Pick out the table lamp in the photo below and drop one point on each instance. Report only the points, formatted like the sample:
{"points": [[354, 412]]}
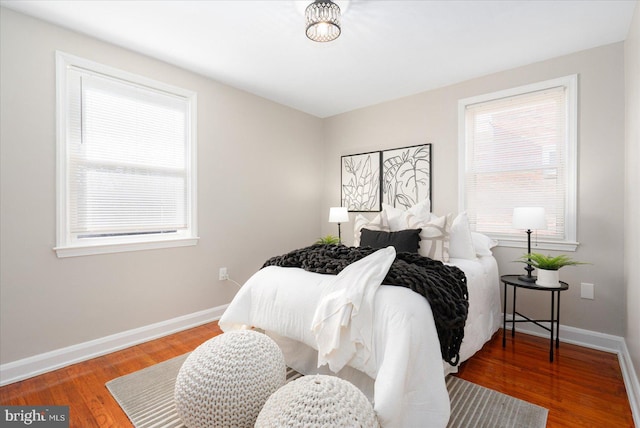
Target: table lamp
{"points": [[338, 215], [529, 218]]}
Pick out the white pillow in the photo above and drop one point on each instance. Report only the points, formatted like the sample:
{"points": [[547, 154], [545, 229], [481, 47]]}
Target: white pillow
{"points": [[461, 242], [434, 236], [361, 222], [483, 244], [398, 218]]}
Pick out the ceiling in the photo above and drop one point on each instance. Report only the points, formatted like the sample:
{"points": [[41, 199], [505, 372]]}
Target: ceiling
{"points": [[387, 50]]}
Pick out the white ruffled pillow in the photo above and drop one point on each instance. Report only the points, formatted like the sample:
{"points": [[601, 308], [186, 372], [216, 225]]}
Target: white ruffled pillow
{"points": [[361, 222], [461, 242], [483, 244]]}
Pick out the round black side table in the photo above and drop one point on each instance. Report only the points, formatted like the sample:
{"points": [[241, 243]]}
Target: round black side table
{"points": [[553, 329]]}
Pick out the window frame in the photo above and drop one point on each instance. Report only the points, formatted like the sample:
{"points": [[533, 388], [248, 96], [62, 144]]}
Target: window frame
{"points": [[66, 245], [570, 83]]}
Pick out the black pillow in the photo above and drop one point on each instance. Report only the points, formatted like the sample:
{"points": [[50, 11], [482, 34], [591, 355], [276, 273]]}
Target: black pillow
{"points": [[403, 240]]}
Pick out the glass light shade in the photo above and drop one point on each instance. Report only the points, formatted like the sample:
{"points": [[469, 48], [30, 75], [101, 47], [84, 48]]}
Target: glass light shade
{"points": [[323, 21], [338, 215], [529, 218]]}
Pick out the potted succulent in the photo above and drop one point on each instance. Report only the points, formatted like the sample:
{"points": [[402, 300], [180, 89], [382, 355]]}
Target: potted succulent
{"points": [[548, 267], [329, 239]]}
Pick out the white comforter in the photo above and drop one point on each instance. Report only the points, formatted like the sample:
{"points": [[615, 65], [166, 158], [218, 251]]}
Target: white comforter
{"points": [[485, 314], [406, 377]]}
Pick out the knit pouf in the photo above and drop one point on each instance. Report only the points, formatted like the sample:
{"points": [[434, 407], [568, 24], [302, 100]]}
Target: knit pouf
{"points": [[317, 401], [226, 380]]}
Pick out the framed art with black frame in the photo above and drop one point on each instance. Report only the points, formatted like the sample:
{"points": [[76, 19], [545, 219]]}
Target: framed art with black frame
{"points": [[360, 182], [406, 175]]}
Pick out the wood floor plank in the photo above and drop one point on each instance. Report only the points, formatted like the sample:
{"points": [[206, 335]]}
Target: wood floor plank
{"points": [[582, 388]]}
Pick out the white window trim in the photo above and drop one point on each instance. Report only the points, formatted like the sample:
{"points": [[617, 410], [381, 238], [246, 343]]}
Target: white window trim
{"points": [[570, 82], [64, 246]]}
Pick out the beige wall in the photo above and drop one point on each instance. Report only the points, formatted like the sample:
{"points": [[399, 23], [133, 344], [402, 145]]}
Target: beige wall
{"points": [[258, 181], [431, 117], [632, 191]]}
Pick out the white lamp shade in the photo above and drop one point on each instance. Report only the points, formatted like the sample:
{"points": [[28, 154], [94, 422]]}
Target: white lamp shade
{"points": [[338, 215], [529, 218]]}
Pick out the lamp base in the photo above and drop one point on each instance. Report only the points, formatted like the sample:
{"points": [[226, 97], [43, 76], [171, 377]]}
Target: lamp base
{"points": [[528, 277]]}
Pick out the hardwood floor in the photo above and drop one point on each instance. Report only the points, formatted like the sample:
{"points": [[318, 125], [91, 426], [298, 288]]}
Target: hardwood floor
{"points": [[582, 388], [81, 386]]}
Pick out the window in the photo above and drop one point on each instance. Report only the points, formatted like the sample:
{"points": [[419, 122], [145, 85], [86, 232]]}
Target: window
{"points": [[518, 148], [126, 161]]}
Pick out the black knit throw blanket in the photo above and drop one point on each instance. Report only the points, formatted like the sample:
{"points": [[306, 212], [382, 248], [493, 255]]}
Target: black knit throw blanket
{"points": [[444, 287]]}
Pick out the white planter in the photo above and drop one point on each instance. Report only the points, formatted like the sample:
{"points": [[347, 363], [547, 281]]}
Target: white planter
{"points": [[548, 278]]}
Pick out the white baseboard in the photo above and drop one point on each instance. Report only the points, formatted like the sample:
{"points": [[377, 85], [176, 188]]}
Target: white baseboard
{"points": [[630, 382], [602, 342], [48, 361]]}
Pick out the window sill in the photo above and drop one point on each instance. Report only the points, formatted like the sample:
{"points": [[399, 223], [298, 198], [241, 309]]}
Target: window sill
{"points": [[539, 245], [88, 250]]}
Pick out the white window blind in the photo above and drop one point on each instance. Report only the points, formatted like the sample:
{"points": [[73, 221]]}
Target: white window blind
{"points": [[127, 163], [518, 151]]}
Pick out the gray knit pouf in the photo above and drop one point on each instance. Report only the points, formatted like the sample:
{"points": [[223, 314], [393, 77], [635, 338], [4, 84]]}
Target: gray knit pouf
{"points": [[317, 401], [226, 380]]}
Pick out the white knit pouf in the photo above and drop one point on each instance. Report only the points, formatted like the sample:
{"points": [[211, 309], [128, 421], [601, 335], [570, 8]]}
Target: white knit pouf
{"points": [[317, 401], [226, 380]]}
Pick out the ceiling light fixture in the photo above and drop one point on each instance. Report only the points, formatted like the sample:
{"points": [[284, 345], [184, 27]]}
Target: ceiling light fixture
{"points": [[323, 21]]}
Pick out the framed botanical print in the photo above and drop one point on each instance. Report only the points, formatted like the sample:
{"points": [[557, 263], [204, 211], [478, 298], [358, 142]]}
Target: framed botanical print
{"points": [[360, 182], [406, 175]]}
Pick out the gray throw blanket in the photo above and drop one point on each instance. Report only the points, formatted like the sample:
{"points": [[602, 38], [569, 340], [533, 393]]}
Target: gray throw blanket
{"points": [[444, 287]]}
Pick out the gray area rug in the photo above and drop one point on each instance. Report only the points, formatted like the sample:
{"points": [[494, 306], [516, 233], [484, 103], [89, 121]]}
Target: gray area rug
{"points": [[475, 406], [146, 396]]}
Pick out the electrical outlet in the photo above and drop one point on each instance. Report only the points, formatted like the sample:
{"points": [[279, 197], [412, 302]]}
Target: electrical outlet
{"points": [[223, 274], [586, 291]]}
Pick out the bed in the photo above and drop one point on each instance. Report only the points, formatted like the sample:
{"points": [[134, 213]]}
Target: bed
{"points": [[395, 358]]}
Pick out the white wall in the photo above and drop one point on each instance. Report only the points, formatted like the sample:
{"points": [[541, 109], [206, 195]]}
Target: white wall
{"points": [[632, 190], [258, 181], [431, 117]]}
